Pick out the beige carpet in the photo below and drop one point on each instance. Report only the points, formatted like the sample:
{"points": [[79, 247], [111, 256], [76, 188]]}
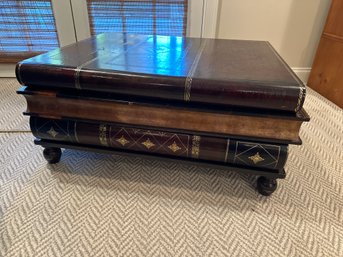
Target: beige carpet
{"points": [[101, 205]]}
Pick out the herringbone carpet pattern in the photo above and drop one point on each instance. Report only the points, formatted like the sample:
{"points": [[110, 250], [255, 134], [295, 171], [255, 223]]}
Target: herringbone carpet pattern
{"points": [[11, 107], [100, 205]]}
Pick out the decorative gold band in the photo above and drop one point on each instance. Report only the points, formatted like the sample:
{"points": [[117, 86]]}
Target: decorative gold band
{"points": [[79, 68], [103, 134], [189, 79], [227, 150], [300, 98], [196, 146]]}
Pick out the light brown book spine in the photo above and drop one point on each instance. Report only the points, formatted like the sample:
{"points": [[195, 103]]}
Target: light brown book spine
{"points": [[47, 104]]}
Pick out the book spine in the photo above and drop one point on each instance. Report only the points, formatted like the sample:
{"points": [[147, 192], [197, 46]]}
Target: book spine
{"points": [[52, 76], [185, 145], [47, 76], [199, 91], [261, 96]]}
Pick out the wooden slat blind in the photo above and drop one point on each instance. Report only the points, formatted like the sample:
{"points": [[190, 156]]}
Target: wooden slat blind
{"points": [[27, 28], [162, 17]]}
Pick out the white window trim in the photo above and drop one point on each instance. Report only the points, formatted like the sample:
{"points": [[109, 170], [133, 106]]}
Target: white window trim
{"points": [[209, 19], [194, 18], [202, 18], [81, 19], [7, 70], [64, 22]]}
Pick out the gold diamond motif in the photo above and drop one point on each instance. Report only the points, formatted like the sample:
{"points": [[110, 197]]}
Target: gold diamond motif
{"points": [[123, 141], [52, 132], [174, 147], [256, 158], [148, 144]]}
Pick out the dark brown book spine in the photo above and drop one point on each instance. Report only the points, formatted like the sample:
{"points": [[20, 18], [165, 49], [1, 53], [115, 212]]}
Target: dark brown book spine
{"points": [[222, 150], [236, 93]]}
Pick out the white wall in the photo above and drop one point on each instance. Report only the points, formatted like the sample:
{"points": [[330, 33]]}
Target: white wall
{"points": [[293, 27]]}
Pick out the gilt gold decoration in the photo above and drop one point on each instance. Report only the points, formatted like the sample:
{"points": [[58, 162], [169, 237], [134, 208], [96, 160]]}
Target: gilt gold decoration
{"points": [[187, 93], [52, 132], [103, 134], [174, 147], [196, 146], [123, 141], [148, 144], [300, 98], [150, 140], [189, 78], [135, 131], [256, 158], [262, 155]]}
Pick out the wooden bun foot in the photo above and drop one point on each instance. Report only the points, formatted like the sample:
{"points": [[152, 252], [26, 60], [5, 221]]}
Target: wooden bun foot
{"points": [[52, 154], [266, 186]]}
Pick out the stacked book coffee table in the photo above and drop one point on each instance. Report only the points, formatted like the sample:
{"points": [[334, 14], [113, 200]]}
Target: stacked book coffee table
{"points": [[229, 104]]}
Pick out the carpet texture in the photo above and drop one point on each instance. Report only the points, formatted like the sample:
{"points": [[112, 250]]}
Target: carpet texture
{"points": [[102, 205], [11, 107]]}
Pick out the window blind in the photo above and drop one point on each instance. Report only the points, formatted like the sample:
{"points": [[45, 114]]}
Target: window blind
{"points": [[162, 17], [27, 28]]}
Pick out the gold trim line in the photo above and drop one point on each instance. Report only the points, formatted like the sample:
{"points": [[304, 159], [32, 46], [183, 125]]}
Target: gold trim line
{"points": [[300, 98], [189, 79], [227, 150]]}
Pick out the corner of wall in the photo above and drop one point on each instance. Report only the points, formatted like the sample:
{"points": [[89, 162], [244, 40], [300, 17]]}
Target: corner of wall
{"points": [[302, 72]]}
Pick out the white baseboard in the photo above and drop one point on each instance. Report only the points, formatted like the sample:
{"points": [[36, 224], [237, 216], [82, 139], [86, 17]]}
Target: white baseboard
{"points": [[302, 73], [7, 71]]}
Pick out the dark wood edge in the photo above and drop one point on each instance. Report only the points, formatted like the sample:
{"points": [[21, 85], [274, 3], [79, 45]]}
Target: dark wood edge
{"points": [[251, 139], [257, 172], [302, 114], [149, 102]]}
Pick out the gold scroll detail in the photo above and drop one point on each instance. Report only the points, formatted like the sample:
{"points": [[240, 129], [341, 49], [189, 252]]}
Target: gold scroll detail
{"points": [[174, 147], [52, 132], [148, 144], [103, 134], [196, 146], [123, 141], [187, 93], [256, 158], [300, 98]]}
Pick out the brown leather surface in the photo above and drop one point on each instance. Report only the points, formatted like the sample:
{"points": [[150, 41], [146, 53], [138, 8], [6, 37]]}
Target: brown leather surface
{"points": [[135, 114], [219, 71]]}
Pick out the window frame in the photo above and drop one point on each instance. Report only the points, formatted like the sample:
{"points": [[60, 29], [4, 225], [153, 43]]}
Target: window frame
{"points": [[64, 21]]}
